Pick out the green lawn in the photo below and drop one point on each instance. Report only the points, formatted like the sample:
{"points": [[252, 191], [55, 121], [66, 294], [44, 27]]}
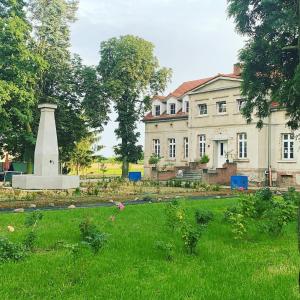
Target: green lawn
{"points": [[131, 268]]}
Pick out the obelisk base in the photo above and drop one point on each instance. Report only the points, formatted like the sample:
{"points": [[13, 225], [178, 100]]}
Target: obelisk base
{"points": [[34, 182]]}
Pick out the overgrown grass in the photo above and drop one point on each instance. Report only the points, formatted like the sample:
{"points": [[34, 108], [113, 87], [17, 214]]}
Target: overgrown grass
{"points": [[129, 267]]}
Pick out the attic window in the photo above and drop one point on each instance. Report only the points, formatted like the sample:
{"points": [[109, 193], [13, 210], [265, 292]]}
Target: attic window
{"points": [[172, 109], [157, 110]]}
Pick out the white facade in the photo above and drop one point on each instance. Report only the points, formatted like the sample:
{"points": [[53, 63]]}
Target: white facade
{"points": [[215, 126]]}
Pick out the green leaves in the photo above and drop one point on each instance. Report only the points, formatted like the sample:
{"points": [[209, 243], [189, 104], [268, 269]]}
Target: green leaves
{"points": [[130, 76], [270, 58]]}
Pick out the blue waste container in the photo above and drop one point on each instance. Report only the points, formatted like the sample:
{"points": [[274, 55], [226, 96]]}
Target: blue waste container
{"points": [[239, 182], [135, 176]]}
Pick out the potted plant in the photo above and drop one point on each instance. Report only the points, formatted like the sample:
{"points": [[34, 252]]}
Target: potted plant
{"points": [[204, 161]]}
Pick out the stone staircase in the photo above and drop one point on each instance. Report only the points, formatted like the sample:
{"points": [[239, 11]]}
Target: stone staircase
{"points": [[192, 175]]}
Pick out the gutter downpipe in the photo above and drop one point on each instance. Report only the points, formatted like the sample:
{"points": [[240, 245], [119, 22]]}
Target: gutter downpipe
{"points": [[269, 151]]}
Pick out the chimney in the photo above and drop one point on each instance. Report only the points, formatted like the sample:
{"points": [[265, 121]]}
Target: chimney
{"points": [[237, 69]]}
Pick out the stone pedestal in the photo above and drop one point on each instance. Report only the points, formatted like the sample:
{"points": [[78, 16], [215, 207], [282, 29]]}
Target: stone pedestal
{"points": [[46, 162]]}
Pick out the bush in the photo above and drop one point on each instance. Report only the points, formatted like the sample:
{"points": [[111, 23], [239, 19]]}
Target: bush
{"points": [[203, 217], [175, 215], [92, 235], [166, 248], [190, 235], [262, 211], [33, 218], [292, 196], [10, 251], [30, 241]]}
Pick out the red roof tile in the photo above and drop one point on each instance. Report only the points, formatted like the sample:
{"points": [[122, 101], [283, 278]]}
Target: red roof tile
{"points": [[190, 85]]}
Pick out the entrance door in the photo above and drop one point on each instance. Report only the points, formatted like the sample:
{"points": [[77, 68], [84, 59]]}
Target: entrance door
{"points": [[222, 150]]}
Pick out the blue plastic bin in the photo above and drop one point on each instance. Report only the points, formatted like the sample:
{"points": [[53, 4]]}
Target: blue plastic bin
{"points": [[239, 182], [135, 176]]}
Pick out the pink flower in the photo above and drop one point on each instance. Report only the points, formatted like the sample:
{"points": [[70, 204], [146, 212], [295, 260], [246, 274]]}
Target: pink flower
{"points": [[241, 188], [112, 218], [121, 206]]}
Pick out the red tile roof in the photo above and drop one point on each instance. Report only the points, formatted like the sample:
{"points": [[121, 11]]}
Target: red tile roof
{"points": [[190, 85]]}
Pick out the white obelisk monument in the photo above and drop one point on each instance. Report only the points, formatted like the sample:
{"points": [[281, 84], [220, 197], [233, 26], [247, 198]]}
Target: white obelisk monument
{"points": [[46, 164]]}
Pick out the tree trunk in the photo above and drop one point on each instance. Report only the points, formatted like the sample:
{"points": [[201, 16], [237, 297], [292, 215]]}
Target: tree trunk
{"points": [[125, 167]]}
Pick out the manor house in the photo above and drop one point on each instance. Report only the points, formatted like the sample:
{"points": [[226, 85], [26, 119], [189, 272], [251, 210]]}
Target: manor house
{"points": [[203, 117]]}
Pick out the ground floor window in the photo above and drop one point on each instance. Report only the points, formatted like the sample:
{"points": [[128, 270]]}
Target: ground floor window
{"points": [[172, 148], [202, 144], [287, 146], [242, 145], [156, 147], [186, 147]]}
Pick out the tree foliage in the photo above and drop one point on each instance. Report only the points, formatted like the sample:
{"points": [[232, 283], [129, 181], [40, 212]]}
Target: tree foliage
{"points": [[19, 69], [130, 76], [36, 66], [81, 156], [270, 58]]}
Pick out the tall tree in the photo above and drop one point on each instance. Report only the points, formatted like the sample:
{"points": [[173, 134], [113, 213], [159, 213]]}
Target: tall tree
{"points": [[130, 76], [66, 81], [19, 69], [270, 59]]}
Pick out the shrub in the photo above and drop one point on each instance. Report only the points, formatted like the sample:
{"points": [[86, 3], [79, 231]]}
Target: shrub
{"points": [[30, 240], [175, 215], [168, 249], [292, 196], [263, 211], [10, 251], [33, 218], [190, 235], [276, 218], [92, 235], [203, 217]]}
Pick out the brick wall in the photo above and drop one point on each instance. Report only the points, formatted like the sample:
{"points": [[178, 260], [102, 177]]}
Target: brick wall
{"points": [[222, 175]]}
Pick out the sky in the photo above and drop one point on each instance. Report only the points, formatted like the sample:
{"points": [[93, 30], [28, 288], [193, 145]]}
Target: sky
{"points": [[193, 37]]}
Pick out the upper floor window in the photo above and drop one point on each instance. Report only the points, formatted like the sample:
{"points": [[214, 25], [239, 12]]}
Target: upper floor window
{"points": [[156, 147], [240, 103], [172, 148], [221, 107], [287, 146], [242, 145], [202, 109], [172, 108], [186, 147], [202, 144], [187, 106], [157, 110]]}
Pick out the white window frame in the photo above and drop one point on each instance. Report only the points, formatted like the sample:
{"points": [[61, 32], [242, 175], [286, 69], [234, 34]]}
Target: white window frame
{"points": [[172, 148], [287, 146], [221, 107], [202, 109], [155, 110], [202, 145], [186, 147], [240, 103], [242, 145], [171, 106], [156, 147]]}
